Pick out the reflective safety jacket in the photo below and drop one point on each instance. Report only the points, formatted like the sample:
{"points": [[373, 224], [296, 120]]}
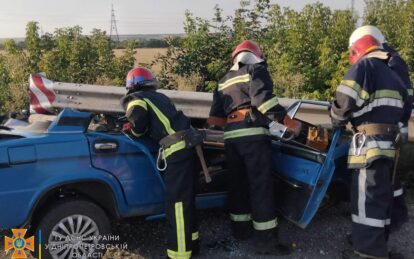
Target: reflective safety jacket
{"points": [[371, 93], [249, 86], [154, 114]]}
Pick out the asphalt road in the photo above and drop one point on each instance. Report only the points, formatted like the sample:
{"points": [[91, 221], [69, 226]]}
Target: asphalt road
{"points": [[324, 237]]}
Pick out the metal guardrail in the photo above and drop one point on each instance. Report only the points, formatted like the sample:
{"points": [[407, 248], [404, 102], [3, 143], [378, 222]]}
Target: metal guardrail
{"points": [[106, 99]]}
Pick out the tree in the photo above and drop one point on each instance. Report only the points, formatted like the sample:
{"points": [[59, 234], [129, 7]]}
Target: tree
{"points": [[124, 63], [33, 46], [398, 29], [204, 53], [14, 69], [302, 48]]}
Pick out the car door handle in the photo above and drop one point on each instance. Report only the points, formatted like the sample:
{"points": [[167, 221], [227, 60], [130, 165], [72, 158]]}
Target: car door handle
{"points": [[106, 146]]}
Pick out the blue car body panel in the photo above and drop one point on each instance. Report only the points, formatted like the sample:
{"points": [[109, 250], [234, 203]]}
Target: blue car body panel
{"points": [[31, 164]]}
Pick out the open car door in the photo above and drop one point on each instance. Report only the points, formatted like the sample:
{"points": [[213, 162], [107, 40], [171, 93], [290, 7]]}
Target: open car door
{"points": [[303, 173]]}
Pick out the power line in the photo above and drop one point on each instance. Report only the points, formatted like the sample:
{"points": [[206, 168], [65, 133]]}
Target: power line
{"points": [[114, 29]]}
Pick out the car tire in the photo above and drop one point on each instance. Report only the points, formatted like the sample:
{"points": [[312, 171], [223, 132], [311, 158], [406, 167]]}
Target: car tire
{"points": [[73, 229]]}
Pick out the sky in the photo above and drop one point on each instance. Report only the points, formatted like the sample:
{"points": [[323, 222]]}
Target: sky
{"points": [[133, 16]]}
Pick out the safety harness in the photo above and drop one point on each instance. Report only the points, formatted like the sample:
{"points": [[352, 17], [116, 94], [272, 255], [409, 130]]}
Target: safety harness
{"points": [[190, 138], [366, 130]]}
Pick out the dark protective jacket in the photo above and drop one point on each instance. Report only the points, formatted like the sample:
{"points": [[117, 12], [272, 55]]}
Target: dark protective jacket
{"points": [[397, 64], [371, 93], [154, 114], [249, 86]]}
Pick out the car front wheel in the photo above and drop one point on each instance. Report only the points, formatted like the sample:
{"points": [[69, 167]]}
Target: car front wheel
{"points": [[74, 229]]}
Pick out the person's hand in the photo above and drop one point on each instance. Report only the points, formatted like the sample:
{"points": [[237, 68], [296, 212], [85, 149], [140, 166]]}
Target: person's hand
{"points": [[127, 127]]}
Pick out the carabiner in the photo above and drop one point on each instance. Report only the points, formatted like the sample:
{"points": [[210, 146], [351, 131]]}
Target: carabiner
{"points": [[356, 146], [161, 156]]}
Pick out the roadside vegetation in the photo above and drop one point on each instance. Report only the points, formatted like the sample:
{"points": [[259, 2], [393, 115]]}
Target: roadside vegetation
{"points": [[306, 50]]}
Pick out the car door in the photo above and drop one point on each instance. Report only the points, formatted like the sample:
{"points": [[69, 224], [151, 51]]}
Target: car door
{"points": [[302, 178], [132, 163]]}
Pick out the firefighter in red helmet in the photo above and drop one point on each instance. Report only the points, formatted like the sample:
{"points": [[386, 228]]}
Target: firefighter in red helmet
{"points": [[370, 90], [245, 89], [153, 114]]}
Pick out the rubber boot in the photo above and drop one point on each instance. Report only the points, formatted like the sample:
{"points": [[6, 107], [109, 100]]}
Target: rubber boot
{"points": [[242, 230], [267, 243]]}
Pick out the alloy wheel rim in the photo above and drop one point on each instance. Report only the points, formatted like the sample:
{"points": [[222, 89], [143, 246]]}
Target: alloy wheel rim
{"points": [[75, 236]]}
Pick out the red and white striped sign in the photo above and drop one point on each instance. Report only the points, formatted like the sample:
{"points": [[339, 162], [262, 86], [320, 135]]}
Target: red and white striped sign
{"points": [[42, 95]]}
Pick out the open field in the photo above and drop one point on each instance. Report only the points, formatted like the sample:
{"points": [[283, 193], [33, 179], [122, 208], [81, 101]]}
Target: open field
{"points": [[145, 56]]}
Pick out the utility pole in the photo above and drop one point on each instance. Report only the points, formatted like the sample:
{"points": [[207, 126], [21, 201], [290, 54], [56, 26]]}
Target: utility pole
{"points": [[114, 29], [352, 6]]}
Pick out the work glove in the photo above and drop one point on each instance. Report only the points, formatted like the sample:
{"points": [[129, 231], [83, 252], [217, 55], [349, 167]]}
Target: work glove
{"points": [[127, 127]]}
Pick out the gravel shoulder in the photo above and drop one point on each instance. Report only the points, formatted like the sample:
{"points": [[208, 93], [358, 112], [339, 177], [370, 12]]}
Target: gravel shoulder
{"points": [[324, 237]]}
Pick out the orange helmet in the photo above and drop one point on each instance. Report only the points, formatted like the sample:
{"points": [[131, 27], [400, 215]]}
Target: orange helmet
{"points": [[249, 46], [360, 43]]}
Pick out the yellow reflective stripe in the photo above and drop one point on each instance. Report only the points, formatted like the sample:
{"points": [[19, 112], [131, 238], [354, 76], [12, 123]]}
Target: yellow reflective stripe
{"points": [[194, 236], [265, 225], [137, 134], [269, 104], [240, 217], [178, 255], [385, 94], [164, 120], [174, 148], [238, 79], [140, 103], [410, 92], [245, 132], [362, 159], [357, 88], [180, 228]]}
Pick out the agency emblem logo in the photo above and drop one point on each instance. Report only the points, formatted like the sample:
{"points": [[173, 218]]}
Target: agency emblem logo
{"points": [[18, 243]]}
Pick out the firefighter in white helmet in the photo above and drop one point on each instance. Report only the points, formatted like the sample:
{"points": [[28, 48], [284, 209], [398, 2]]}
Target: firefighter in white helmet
{"points": [[370, 90], [399, 213]]}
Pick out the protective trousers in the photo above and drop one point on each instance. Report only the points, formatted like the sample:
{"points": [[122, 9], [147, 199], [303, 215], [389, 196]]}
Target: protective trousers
{"points": [[399, 212], [251, 194], [371, 202], [181, 179]]}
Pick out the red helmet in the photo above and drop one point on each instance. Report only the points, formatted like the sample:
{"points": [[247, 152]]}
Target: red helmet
{"points": [[140, 77], [247, 45], [361, 46]]}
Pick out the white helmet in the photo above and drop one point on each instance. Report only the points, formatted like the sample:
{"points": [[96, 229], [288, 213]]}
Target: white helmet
{"points": [[366, 30]]}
